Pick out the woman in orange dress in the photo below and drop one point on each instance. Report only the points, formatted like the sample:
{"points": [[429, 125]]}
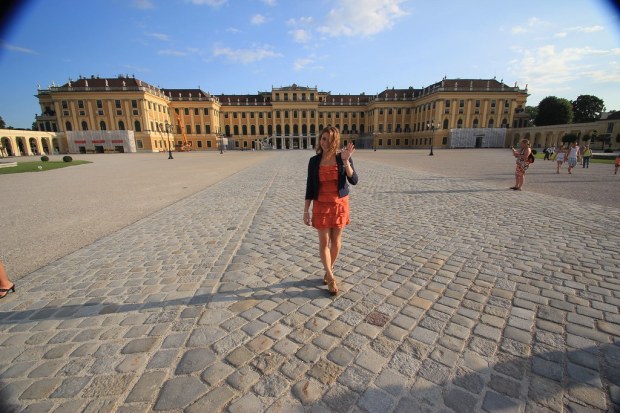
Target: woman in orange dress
{"points": [[327, 188]]}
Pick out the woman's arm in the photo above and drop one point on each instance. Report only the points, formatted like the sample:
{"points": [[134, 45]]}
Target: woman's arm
{"points": [[307, 211]]}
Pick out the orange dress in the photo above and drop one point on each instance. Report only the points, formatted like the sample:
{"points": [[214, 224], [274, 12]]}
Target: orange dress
{"points": [[329, 211]]}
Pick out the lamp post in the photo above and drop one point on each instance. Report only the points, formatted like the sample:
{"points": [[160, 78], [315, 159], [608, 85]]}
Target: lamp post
{"points": [[432, 127], [168, 130], [221, 144]]}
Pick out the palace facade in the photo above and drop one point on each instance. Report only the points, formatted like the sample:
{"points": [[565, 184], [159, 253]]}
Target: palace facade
{"points": [[125, 114]]}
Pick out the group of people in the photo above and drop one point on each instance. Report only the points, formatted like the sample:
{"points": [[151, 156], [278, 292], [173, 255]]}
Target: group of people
{"points": [[573, 155]]}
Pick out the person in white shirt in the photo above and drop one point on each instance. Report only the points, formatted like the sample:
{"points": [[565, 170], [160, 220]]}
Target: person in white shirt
{"points": [[574, 156]]}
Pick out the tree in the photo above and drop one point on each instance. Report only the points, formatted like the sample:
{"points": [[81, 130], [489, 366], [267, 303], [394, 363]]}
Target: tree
{"points": [[554, 111], [2, 124], [570, 138], [533, 112], [35, 125], [587, 108]]}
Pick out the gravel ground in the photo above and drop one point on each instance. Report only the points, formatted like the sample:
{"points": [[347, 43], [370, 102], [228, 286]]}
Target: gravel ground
{"points": [[45, 216], [596, 184]]}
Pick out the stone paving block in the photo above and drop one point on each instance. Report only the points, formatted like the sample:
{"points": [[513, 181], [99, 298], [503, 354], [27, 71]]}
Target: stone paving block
{"points": [[195, 360], [243, 378], [247, 403], [494, 402], [141, 345], [214, 400], [460, 401], [107, 385], [147, 387], [307, 391], [40, 389]]}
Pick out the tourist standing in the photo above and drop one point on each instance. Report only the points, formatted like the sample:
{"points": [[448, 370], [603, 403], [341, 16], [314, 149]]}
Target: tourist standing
{"points": [[587, 153], [524, 158], [327, 188]]}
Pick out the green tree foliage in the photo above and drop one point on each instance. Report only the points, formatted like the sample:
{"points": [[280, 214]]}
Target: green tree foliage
{"points": [[570, 138], [533, 112], [2, 124], [554, 111], [587, 108]]}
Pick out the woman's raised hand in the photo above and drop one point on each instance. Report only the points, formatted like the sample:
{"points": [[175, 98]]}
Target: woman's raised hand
{"points": [[347, 151]]}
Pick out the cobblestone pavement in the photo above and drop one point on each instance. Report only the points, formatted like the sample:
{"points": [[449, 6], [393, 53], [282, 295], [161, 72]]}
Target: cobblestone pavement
{"points": [[450, 301]]}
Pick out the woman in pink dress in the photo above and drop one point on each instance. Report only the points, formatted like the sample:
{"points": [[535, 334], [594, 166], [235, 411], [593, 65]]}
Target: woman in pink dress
{"points": [[327, 189]]}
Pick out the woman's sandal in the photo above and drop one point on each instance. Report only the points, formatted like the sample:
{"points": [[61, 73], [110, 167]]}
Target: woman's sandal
{"points": [[6, 291], [332, 287]]}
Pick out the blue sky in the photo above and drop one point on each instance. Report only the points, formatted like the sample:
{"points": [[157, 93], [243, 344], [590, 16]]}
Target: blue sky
{"points": [[563, 48]]}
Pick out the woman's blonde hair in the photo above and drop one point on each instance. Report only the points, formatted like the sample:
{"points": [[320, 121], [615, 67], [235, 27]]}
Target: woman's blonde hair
{"points": [[526, 141], [334, 139]]}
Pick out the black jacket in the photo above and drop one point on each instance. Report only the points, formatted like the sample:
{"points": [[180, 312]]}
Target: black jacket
{"points": [[312, 183]]}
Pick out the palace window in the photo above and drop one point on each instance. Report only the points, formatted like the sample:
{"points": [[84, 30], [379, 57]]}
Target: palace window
{"points": [[198, 131], [134, 103], [205, 111], [81, 104], [102, 125], [117, 104], [186, 111], [99, 104], [64, 104]]}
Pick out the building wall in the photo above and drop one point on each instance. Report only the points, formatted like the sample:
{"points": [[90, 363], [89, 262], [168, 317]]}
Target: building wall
{"points": [[287, 117], [542, 136], [15, 142]]}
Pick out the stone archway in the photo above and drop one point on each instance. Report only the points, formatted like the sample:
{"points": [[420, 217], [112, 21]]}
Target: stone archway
{"points": [[7, 147], [34, 147], [21, 147], [46, 146], [56, 145]]}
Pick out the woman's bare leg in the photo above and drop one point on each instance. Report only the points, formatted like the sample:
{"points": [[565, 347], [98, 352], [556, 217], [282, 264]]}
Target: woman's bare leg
{"points": [[336, 243], [5, 283], [326, 259], [324, 250]]}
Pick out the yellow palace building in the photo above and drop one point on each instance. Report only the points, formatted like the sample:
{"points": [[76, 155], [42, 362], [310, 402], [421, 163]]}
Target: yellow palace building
{"points": [[125, 114]]}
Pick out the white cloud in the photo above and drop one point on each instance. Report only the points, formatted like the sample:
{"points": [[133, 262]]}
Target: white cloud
{"points": [[212, 3], [301, 36], [245, 56], [18, 49], [302, 21], [302, 63], [590, 29], [547, 69], [142, 4], [532, 24], [160, 36], [580, 29], [362, 17], [171, 52], [270, 2], [258, 19], [233, 30]]}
